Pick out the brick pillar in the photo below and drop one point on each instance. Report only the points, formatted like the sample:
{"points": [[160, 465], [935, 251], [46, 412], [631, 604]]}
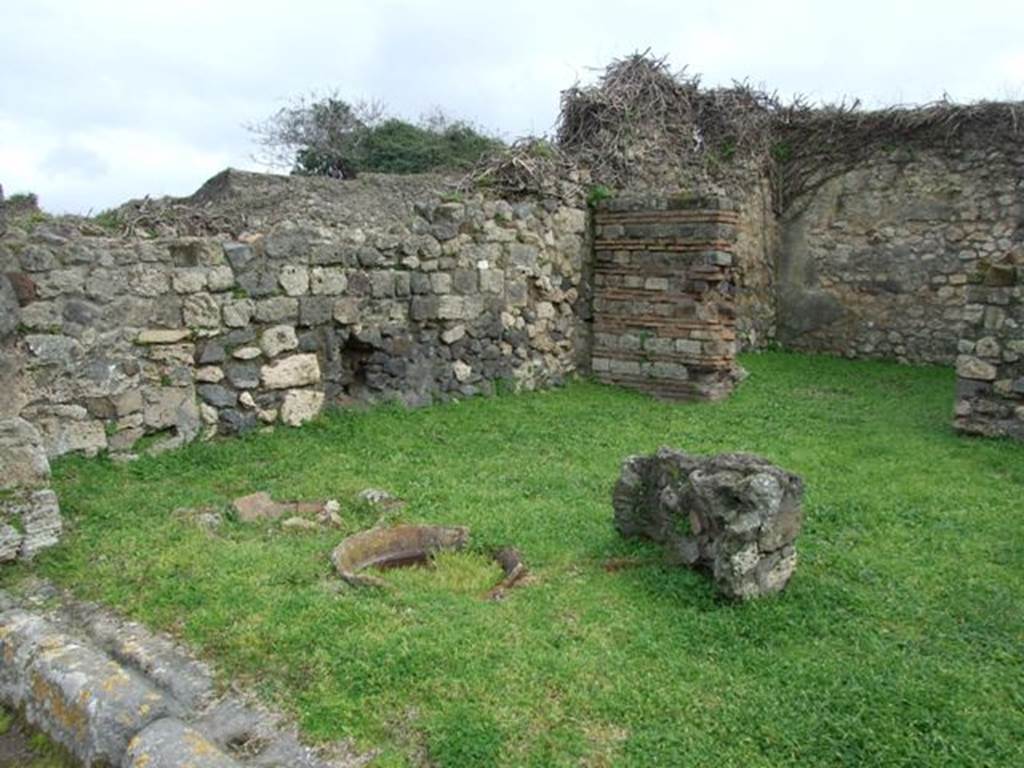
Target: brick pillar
{"points": [[664, 308]]}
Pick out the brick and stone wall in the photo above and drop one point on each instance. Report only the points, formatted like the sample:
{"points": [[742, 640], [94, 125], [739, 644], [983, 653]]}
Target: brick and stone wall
{"points": [[875, 262], [990, 366], [664, 306], [316, 292]]}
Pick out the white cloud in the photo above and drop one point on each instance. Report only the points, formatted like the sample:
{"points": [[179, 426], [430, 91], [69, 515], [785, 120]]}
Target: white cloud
{"points": [[112, 99]]}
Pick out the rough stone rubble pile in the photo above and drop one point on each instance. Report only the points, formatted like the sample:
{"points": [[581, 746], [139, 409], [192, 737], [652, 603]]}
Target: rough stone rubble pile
{"points": [[735, 516]]}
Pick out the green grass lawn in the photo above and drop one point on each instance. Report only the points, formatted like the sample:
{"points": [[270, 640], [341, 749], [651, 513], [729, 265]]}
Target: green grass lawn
{"points": [[900, 640]]}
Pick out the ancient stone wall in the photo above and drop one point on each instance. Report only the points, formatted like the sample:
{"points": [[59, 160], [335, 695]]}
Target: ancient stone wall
{"points": [[300, 292], [990, 367], [664, 306], [875, 262], [756, 250]]}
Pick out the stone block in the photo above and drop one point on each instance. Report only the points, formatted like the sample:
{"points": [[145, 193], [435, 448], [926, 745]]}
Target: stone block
{"points": [[162, 336], [734, 516], [441, 282], [382, 284], [327, 281], [346, 311], [294, 279], [22, 456], [68, 429], [201, 310], [970, 367], [220, 278], [84, 700], [169, 743], [243, 375], [40, 522], [278, 339], [300, 406], [289, 372], [424, 308], [188, 279], [277, 309], [315, 310], [217, 396]]}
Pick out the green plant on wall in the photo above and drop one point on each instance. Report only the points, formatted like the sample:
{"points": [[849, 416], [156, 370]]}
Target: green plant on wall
{"points": [[599, 193]]}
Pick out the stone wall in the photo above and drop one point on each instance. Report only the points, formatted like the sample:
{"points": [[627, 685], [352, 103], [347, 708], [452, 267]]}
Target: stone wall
{"points": [[756, 251], [29, 513], [295, 292], [875, 262], [990, 367], [664, 306]]}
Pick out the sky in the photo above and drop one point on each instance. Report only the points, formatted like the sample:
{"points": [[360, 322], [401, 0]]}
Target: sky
{"points": [[103, 100]]}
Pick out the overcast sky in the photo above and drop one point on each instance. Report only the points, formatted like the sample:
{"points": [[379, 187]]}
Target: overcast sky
{"points": [[101, 101]]}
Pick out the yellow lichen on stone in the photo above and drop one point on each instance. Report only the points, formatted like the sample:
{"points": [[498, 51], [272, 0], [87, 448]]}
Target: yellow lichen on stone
{"points": [[72, 718]]}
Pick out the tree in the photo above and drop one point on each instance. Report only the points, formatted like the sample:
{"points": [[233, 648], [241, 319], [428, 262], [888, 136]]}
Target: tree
{"points": [[327, 136]]}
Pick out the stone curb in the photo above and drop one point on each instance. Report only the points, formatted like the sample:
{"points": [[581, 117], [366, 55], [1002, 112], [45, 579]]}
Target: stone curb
{"points": [[169, 743], [114, 694], [102, 713]]}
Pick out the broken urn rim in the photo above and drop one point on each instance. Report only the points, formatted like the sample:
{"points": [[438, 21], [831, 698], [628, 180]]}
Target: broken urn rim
{"points": [[404, 545]]}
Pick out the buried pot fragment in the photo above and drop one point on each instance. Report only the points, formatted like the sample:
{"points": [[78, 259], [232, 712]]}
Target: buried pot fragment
{"points": [[735, 516], [393, 547], [404, 545], [512, 566]]}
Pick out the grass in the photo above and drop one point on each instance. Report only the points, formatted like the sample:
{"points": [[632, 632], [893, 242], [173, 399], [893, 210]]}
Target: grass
{"points": [[898, 643], [20, 743]]}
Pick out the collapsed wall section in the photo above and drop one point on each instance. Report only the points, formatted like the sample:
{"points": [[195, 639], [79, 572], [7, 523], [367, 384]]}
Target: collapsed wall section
{"points": [[296, 293], [664, 304]]}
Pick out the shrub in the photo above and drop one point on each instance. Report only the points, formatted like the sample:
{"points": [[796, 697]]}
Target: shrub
{"points": [[330, 137]]}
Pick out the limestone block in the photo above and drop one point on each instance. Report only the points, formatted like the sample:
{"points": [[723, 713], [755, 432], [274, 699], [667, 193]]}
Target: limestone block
{"points": [[148, 279], [278, 339], [327, 281], [40, 521], [169, 743], [300, 406], [238, 313], [294, 371], [22, 456], [220, 278], [294, 279], [172, 407], [969, 367], [453, 334], [201, 310], [10, 543], [189, 279], [346, 311], [162, 336]]}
